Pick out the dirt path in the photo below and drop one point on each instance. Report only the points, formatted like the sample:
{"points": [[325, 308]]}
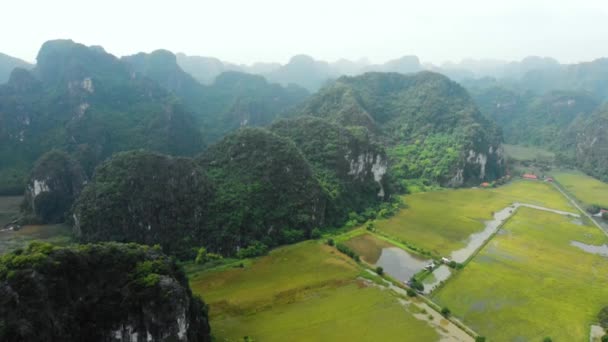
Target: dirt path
{"points": [[448, 331]]}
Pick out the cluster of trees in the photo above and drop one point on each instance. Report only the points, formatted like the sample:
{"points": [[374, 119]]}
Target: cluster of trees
{"points": [[96, 293], [249, 192]]}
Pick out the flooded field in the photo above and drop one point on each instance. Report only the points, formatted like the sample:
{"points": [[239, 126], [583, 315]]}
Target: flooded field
{"points": [[543, 267], [598, 250], [400, 264], [439, 275]]}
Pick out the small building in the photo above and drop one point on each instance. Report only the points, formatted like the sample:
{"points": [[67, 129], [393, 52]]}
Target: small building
{"points": [[529, 176], [485, 185], [549, 179], [445, 260]]}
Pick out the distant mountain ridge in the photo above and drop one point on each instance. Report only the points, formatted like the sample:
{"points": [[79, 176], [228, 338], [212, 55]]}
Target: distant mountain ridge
{"points": [[8, 64]]}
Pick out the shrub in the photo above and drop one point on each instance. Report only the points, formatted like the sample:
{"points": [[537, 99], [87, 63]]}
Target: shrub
{"points": [[547, 339], [379, 270], [480, 339], [445, 312], [316, 233], [605, 338], [330, 242], [416, 285], [253, 250], [411, 293], [605, 216], [370, 226], [602, 317], [290, 236], [346, 250], [593, 209]]}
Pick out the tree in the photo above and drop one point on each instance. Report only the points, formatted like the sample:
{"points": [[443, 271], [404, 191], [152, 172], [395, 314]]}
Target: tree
{"points": [[445, 312], [379, 270], [547, 339], [602, 317], [330, 242], [605, 215], [201, 256], [593, 209]]}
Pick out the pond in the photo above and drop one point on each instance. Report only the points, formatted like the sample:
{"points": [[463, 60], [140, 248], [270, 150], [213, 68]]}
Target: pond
{"points": [[400, 264], [439, 275]]}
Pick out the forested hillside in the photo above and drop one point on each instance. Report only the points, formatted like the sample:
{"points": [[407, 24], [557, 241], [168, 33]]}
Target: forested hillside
{"points": [[233, 100], [433, 128], [592, 143], [87, 102], [537, 120]]}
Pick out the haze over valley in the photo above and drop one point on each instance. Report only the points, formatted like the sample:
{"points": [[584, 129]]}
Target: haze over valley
{"points": [[223, 172]]}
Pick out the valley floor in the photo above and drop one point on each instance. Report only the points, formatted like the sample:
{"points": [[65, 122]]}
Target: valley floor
{"points": [[311, 292]]}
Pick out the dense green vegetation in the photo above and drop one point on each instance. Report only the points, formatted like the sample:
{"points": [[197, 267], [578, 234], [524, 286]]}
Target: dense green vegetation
{"points": [[54, 184], [97, 293], [349, 166], [592, 144], [87, 102], [147, 198], [432, 124], [251, 191], [265, 191], [537, 120]]}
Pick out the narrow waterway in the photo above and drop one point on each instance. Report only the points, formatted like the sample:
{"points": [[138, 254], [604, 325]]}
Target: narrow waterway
{"points": [[478, 239]]}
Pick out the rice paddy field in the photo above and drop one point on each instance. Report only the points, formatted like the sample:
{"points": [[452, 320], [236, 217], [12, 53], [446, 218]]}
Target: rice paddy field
{"points": [[529, 282], [585, 188], [58, 234], [442, 221], [305, 292], [523, 153], [11, 240]]}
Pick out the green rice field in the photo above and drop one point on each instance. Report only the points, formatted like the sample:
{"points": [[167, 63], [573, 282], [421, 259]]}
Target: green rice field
{"points": [[441, 221], [305, 292], [529, 282], [585, 188]]}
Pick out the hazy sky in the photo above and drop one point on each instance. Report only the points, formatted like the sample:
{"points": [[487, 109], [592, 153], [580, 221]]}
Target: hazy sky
{"points": [[274, 30]]}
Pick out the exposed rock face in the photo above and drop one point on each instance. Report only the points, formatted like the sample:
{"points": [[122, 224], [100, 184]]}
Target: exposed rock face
{"points": [[54, 184], [107, 292], [350, 166]]}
